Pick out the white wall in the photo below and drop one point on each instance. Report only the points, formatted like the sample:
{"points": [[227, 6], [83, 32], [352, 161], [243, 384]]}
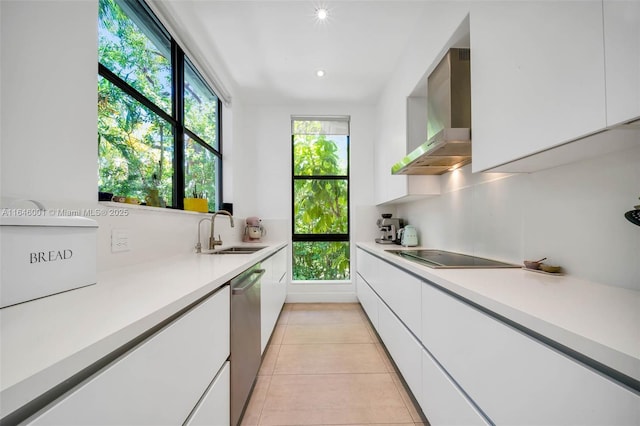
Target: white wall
{"points": [[48, 121], [573, 214], [264, 189], [49, 100]]}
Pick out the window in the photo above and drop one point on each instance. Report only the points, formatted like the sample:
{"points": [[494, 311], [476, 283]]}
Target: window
{"points": [[158, 120], [321, 249]]}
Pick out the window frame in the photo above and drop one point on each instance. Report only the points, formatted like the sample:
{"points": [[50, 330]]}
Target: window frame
{"points": [[176, 119], [341, 237]]}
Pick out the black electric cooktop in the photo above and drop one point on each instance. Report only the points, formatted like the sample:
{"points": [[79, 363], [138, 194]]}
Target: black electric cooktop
{"points": [[446, 259]]}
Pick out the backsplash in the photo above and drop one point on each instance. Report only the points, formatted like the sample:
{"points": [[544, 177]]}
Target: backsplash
{"points": [[159, 233], [572, 214]]}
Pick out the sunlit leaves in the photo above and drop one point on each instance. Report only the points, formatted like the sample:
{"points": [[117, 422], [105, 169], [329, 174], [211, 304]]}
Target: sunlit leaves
{"points": [[135, 148], [320, 206], [200, 107], [135, 144], [320, 203], [327, 261], [200, 173], [319, 156], [140, 55]]}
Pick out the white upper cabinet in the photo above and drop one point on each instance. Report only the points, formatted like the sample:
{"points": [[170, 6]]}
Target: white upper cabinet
{"points": [[537, 77], [622, 58]]}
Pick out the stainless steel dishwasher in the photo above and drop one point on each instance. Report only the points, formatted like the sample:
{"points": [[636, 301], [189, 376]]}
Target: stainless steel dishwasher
{"points": [[245, 337]]}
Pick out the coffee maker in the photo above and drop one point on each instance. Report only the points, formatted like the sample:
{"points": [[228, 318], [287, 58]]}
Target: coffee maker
{"points": [[389, 227]]}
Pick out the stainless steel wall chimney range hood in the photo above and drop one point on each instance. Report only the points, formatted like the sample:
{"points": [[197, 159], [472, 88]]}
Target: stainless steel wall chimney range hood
{"points": [[448, 144]]}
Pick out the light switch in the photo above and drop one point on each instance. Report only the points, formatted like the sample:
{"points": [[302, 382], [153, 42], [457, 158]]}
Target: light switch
{"points": [[120, 240]]}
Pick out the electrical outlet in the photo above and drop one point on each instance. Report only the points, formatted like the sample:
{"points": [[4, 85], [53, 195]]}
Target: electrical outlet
{"points": [[120, 240]]}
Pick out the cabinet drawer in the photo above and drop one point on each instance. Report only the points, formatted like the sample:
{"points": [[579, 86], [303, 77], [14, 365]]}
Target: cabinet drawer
{"points": [[400, 290], [368, 300], [273, 292], [405, 350], [513, 378], [213, 409], [367, 265], [159, 381], [442, 401], [280, 264]]}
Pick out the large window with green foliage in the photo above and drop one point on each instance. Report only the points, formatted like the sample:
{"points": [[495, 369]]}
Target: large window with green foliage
{"points": [[158, 119], [321, 249]]}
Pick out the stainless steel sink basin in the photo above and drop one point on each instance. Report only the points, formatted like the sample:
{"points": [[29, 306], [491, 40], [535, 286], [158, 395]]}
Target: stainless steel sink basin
{"points": [[237, 250]]}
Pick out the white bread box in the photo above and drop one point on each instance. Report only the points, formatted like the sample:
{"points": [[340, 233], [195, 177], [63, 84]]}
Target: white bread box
{"points": [[43, 255]]}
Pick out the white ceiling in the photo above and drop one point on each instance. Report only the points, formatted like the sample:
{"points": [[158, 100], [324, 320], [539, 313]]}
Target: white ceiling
{"points": [[271, 49]]}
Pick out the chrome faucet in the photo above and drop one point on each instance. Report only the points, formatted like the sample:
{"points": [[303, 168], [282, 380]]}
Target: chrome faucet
{"points": [[212, 240], [198, 244]]}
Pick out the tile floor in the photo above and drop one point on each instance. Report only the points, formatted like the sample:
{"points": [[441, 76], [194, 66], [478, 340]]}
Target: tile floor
{"points": [[326, 366]]}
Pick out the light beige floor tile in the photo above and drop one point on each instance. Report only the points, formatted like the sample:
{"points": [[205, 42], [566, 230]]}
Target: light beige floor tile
{"points": [[254, 408], [326, 333], [325, 316], [329, 358], [325, 306], [333, 399], [385, 358], [385, 424], [283, 319], [269, 360], [371, 330], [278, 334], [408, 402]]}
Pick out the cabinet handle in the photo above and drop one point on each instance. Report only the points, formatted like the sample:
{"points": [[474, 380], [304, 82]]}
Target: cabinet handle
{"points": [[249, 281]]}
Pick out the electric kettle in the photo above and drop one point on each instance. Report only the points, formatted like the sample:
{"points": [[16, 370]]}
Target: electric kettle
{"points": [[408, 236]]}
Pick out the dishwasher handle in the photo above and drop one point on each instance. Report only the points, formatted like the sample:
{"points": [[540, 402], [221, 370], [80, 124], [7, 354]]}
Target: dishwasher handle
{"points": [[248, 282]]}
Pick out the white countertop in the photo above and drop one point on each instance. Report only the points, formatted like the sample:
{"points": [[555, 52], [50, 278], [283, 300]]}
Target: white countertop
{"points": [[45, 341], [599, 321]]}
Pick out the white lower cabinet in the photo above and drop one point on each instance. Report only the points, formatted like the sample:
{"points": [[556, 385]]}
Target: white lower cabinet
{"points": [[213, 409], [368, 300], [466, 367], [513, 378], [159, 381], [405, 350], [273, 292], [442, 401], [399, 290], [367, 266]]}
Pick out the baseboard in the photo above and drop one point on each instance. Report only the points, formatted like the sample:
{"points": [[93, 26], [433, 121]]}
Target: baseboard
{"points": [[321, 297]]}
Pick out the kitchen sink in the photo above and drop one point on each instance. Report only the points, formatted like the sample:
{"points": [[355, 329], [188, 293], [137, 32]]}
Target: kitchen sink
{"points": [[237, 250]]}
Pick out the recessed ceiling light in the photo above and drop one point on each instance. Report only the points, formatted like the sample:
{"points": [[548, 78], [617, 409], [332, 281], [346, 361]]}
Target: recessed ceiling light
{"points": [[320, 73], [322, 13]]}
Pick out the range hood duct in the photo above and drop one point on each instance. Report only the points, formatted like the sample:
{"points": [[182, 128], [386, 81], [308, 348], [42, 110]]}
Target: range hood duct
{"points": [[448, 144]]}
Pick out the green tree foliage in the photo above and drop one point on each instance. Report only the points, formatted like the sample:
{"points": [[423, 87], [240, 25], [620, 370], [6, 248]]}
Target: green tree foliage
{"points": [[140, 56], [199, 173], [320, 207], [314, 261], [135, 148], [135, 145], [200, 112]]}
